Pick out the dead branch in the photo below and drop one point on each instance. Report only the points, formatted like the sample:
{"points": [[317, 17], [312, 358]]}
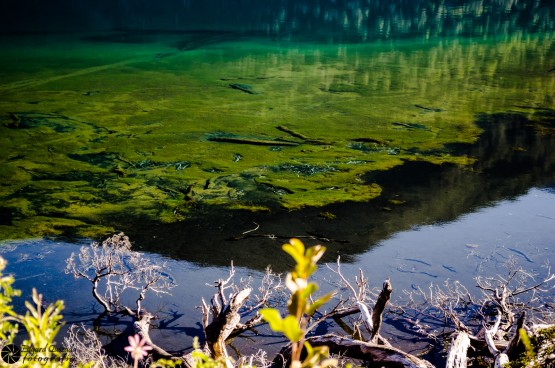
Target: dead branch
{"points": [[222, 317], [143, 327], [501, 358], [457, 357], [84, 347], [223, 320], [114, 268], [372, 320], [378, 310], [384, 356]]}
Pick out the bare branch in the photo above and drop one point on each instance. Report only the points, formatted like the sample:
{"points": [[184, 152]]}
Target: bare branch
{"points": [[378, 310]]}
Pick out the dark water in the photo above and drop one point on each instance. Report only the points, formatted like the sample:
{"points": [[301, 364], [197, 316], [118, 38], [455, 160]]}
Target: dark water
{"points": [[107, 109], [328, 20]]}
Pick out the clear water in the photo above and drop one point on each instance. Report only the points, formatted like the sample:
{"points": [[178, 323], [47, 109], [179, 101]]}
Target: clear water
{"points": [[476, 244], [413, 138]]}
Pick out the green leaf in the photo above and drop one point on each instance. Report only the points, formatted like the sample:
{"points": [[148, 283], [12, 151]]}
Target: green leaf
{"points": [[318, 303], [295, 248], [291, 329], [273, 318], [310, 289], [315, 253]]}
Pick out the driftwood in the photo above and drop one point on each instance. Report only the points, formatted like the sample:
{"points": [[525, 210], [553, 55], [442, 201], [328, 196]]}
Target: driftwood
{"points": [[368, 140], [383, 356], [143, 327], [247, 88], [290, 131], [457, 357], [378, 310], [378, 351], [502, 357], [253, 141], [225, 318], [252, 234], [305, 138], [222, 318]]}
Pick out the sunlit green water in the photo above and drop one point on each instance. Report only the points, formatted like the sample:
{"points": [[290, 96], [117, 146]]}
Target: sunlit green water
{"points": [[97, 132]]}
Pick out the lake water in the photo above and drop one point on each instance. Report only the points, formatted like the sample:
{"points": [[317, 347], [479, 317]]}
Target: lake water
{"points": [[478, 243], [413, 139]]}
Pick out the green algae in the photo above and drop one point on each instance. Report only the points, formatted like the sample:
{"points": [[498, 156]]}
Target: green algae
{"points": [[137, 136]]}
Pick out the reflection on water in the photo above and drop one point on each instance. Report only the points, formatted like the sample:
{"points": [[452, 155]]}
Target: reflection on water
{"points": [[478, 243], [413, 138], [328, 20], [415, 193]]}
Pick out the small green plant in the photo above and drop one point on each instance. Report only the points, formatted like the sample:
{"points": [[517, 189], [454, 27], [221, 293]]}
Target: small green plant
{"points": [[8, 318], [41, 323], [530, 353], [300, 306], [538, 349], [202, 360]]}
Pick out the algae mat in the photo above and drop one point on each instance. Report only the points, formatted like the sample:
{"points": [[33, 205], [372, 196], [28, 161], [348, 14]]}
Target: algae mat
{"points": [[97, 135]]}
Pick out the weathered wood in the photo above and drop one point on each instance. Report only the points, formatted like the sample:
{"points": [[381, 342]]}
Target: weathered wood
{"points": [[501, 357], [368, 140], [515, 340], [378, 309], [142, 326], [247, 88], [305, 138], [382, 356], [290, 131], [457, 357], [225, 319], [434, 109]]}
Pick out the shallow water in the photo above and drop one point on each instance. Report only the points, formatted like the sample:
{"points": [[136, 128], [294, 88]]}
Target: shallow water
{"points": [[415, 140], [475, 244], [106, 136]]}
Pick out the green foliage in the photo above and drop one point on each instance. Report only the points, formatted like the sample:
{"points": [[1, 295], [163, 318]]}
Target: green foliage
{"points": [[202, 360], [42, 325], [530, 353], [300, 306], [318, 357], [8, 326], [166, 363], [537, 348], [297, 281], [289, 325]]}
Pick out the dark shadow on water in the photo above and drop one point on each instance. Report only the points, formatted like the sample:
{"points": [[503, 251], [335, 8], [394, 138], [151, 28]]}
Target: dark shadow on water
{"points": [[513, 154], [324, 20]]}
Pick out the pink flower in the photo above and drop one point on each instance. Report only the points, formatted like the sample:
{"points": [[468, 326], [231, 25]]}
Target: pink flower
{"points": [[137, 347]]}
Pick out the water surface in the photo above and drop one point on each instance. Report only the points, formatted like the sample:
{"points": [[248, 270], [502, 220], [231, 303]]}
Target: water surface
{"points": [[413, 139], [476, 244]]}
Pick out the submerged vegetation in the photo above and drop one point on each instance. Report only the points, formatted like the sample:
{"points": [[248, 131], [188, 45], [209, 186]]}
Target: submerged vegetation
{"points": [[134, 136]]}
